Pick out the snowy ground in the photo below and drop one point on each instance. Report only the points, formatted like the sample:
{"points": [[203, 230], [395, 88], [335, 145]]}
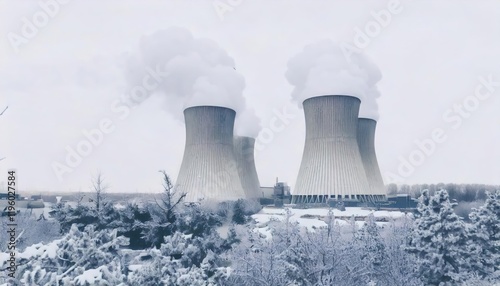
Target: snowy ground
{"points": [[315, 217]]}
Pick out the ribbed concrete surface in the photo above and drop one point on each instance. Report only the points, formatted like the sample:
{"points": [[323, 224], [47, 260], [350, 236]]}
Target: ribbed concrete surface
{"points": [[331, 164], [366, 143], [208, 170], [244, 153]]}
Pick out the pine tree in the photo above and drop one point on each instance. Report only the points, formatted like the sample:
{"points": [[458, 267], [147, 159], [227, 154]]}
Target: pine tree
{"points": [[439, 241], [239, 212], [485, 233]]}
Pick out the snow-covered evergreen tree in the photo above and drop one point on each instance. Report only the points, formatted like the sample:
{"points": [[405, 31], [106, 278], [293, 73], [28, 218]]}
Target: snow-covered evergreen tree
{"points": [[439, 241], [485, 234]]}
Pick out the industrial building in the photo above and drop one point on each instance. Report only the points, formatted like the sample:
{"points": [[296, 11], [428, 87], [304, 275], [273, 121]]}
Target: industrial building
{"points": [[400, 201], [278, 195], [209, 169]]}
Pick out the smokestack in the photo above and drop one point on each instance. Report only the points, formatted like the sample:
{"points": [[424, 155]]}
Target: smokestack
{"points": [[244, 153], [331, 165], [208, 170], [366, 143]]}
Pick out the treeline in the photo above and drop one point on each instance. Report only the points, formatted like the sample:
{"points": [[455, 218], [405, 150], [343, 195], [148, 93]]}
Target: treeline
{"points": [[434, 248], [172, 243], [148, 224], [457, 192]]}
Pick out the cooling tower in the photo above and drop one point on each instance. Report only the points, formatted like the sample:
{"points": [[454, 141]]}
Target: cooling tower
{"points": [[331, 165], [208, 170], [244, 153], [366, 143]]}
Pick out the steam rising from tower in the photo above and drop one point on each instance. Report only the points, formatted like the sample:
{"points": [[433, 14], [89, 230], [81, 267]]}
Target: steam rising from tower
{"points": [[244, 152], [208, 170], [335, 86], [198, 76], [187, 71], [331, 165], [326, 67], [366, 142]]}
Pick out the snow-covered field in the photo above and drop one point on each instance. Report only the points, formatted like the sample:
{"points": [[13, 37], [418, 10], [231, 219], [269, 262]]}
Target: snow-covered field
{"points": [[315, 217]]}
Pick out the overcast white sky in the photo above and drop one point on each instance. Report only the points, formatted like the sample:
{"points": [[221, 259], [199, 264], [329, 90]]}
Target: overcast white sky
{"points": [[66, 77]]}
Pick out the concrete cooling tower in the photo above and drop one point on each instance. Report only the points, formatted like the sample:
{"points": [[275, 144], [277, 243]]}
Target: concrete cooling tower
{"points": [[244, 153], [366, 143], [208, 170], [331, 165]]}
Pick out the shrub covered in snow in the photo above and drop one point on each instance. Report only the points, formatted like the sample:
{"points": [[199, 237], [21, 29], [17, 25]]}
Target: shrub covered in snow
{"points": [[75, 259], [485, 234], [329, 255], [184, 260]]}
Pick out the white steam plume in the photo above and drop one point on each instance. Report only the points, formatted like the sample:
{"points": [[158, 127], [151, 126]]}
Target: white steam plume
{"points": [[323, 68], [188, 72]]}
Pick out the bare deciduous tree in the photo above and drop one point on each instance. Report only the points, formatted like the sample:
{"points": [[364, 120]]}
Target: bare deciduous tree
{"points": [[99, 188], [4, 110]]}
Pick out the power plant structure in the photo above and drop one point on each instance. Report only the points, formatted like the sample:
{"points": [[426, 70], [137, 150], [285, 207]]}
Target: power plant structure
{"points": [[339, 163], [366, 143], [209, 168], [244, 154], [332, 166]]}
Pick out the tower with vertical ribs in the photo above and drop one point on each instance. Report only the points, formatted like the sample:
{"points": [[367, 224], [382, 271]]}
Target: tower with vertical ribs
{"points": [[331, 166], [366, 144], [209, 169], [244, 153]]}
